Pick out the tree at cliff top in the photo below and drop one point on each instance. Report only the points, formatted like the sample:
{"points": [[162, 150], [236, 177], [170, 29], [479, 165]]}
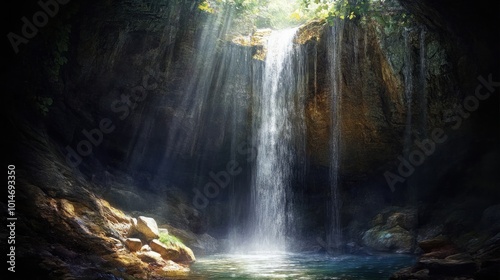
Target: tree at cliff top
{"points": [[274, 14]]}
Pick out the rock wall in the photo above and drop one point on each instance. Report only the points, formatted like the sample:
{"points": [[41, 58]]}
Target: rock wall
{"points": [[130, 65]]}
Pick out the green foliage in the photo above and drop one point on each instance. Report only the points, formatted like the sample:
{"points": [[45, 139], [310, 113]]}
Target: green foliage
{"points": [[59, 51], [387, 13], [331, 9], [42, 104], [258, 13], [284, 13], [168, 239]]}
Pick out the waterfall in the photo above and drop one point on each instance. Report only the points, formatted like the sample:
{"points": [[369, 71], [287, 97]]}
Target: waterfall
{"points": [[423, 85], [408, 82], [277, 128], [334, 234]]}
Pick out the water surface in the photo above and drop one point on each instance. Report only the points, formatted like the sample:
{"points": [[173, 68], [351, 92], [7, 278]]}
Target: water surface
{"points": [[298, 266]]}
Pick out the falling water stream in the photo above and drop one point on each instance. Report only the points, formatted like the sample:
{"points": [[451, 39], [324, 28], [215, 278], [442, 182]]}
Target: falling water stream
{"points": [[275, 144], [334, 235], [260, 246]]}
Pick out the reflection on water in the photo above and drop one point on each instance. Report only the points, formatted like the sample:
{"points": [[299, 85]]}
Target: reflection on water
{"points": [[297, 266]]}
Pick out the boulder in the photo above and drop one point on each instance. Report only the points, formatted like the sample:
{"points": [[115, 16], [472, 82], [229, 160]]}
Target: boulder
{"points": [[151, 257], [437, 248], [406, 219], [459, 257], [133, 244], [173, 251], [378, 220], [201, 244], [145, 248], [408, 273], [430, 245], [490, 249], [395, 239], [147, 227], [448, 268]]}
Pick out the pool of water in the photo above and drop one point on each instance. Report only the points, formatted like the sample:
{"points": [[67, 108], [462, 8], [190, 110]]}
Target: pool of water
{"points": [[297, 266]]}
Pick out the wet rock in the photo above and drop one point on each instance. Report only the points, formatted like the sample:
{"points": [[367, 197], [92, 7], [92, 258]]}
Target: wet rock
{"points": [[145, 248], [151, 257], [406, 219], [173, 251], [438, 248], [430, 245], [448, 267], [148, 227], [490, 249], [378, 220], [201, 244], [429, 232], [460, 257], [410, 273], [395, 239], [133, 244]]}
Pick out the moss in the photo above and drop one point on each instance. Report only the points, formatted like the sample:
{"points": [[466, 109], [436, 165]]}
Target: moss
{"points": [[168, 239]]}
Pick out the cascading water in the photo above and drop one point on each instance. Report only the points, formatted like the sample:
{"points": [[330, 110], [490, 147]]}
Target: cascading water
{"points": [[408, 82], [334, 235], [279, 113], [423, 85]]}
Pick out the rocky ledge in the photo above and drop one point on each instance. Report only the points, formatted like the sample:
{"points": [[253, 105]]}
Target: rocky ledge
{"points": [[442, 259]]}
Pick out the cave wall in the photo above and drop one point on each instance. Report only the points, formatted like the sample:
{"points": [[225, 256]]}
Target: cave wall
{"points": [[113, 46]]}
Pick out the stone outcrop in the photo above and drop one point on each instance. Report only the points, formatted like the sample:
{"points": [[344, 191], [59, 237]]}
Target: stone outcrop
{"points": [[106, 51], [443, 259], [395, 239], [393, 231], [173, 251], [148, 227], [133, 244]]}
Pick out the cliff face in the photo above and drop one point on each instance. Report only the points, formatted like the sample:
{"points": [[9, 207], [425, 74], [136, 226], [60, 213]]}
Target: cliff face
{"points": [[135, 61], [121, 78]]}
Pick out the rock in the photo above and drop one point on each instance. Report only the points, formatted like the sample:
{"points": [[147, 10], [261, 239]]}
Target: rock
{"points": [[151, 257], [431, 245], [395, 239], [406, 219], [148, 227], [145, 248], [429, 232], [378, 220], [459, 257], [437, 248], [448, 267], [175, 252], [133, 244], [123, 199], [171, 266], [201, 244], [408, 273], [490, 250], [441, 253]]}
